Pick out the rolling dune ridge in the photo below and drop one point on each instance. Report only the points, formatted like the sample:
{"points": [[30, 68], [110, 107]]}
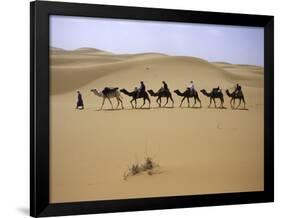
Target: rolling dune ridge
{"points": [[199, 150]]}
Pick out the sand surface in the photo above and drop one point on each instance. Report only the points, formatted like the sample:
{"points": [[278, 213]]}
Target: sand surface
{"points": [[199, 150]]}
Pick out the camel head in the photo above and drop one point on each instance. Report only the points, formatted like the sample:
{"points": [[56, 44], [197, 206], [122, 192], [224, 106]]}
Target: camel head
{"points": [[178, 92], [96, 92], [228, 93], [151, 92], [203, 91], [124, 91]]}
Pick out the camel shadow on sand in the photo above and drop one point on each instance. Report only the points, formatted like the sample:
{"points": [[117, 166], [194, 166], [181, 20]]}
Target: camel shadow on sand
{"points": [[136, 109], [165, 108], [194, 107], [218, 108], [110, 109], [240, 109]]}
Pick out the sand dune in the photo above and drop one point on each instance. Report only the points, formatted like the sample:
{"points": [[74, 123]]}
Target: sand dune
{"points": [[72, 72], [199, 150], [248, 75]]}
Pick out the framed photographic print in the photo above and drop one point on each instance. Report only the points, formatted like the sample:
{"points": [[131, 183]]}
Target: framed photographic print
{"points": [[144, 108]]}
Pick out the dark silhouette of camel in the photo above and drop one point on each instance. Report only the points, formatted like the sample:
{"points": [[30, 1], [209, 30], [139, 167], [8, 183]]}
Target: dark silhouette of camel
{"points": [[236, 95], [213, 95], [188, 94], [162, 94], [135, 95], [108, 93]]}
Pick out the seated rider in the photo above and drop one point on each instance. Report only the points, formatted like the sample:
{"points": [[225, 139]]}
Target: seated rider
{"points": [[191, 87], [238, 88], [216, 90], [165, 87], [141, 89]]}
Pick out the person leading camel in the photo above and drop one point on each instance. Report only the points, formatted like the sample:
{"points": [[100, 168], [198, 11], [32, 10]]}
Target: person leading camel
{"points": [[80, 104]]}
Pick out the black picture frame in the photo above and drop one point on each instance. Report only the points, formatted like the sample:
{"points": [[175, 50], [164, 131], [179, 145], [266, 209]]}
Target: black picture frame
{"points": [[39, 108]]}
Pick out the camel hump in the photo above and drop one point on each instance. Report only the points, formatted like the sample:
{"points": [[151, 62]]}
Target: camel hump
{"points": [[161, 90], [108, 90]]}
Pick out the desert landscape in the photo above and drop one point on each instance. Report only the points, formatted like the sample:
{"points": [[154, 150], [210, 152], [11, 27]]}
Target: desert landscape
{"points": [[197, 150]]}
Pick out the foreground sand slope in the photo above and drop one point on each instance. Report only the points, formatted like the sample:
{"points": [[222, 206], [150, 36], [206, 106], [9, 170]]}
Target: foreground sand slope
{"points": [[199, 150]]}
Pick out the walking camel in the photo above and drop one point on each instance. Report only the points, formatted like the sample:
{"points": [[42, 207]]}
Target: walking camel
{"points": [[236, 95], [213, 95], [135, 95], [188, 94], [162, 94], [109, 93]]}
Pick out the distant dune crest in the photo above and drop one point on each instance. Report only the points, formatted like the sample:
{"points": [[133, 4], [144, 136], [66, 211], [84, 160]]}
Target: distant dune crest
{"points": [[72, 70]]}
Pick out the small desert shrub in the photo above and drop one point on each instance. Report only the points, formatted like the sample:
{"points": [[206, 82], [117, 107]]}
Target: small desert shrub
{"points": [[148, 166], [135, 169]]}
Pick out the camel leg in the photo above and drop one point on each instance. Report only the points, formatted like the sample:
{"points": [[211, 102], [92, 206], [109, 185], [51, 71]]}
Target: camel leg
{"points": [[148, 101], [167, 98], [221, 102], [143, 102], [231, 103], [136, 103], [182, 101], [110, 103], [244, 102], [198, 99], [194, 102], [119, 99], [215, 102], [102, 103], [117, 103], [172, 101], [157, 100], [239, 103], [210, 103], [188, 102], [132, 103]]}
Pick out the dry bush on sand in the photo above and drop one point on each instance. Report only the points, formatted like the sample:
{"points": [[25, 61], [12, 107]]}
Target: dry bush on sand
{"points": [[148, 166]]}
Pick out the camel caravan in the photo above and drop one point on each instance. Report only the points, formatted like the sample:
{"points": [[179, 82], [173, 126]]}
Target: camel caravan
{"points": [[109, 93]]}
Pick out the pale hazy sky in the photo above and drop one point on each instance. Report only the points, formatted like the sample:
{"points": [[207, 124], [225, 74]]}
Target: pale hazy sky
{"points": [[234, 44]]}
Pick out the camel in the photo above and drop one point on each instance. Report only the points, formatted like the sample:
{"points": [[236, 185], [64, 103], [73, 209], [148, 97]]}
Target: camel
{"points": [[213, 95], [239, 95], [135, 95], [110, 93], [188, 94], [161, 93]]}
